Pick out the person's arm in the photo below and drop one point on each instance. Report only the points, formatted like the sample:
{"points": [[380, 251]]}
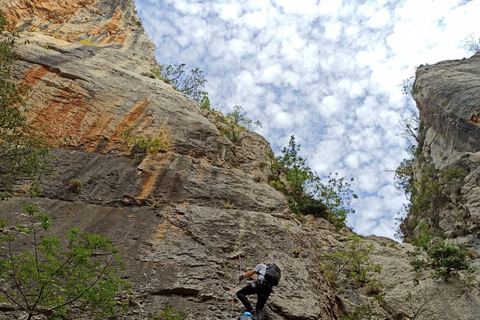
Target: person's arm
{"points": [[249, 274]]}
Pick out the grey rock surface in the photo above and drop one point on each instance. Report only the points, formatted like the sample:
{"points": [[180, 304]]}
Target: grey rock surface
{"points": [[447, 96]]}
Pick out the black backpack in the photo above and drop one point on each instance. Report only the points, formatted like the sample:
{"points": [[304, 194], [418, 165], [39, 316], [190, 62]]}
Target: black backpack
{"points": [[273, 274]]}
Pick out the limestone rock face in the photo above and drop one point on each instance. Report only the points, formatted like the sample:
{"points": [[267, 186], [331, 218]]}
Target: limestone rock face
{"points": [[447, 96]]}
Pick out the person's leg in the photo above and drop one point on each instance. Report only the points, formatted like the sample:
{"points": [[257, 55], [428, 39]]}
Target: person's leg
{"points": [[262, 297], [242, 296]]}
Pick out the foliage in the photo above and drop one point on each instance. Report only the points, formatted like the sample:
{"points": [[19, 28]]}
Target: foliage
{"points": [[23, 149], [169, 313], [447, 260], [307, 194], [148, 144], [353, 263], [76, 184], [403, 179], [87, 42], [444, 260], [298, 174], [189, 84], [408, 85], [39, 275], [472, 44], [236, 122]]}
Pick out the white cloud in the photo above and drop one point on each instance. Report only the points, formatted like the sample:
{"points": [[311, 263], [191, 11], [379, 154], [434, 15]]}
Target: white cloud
{"points": [[379, 19], [229, 11], [330, 7]]}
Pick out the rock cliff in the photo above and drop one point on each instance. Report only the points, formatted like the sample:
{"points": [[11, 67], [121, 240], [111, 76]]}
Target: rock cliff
{"points": [[190, 219], [449, 145]]}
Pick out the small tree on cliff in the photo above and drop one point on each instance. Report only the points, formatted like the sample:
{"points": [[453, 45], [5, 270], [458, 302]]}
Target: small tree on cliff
{"points": [[23, 150], [40, 276], [307, 193], [189, 84]]}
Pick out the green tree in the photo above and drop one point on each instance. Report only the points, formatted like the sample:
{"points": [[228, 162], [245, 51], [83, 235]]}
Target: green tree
{"points": [[40, 276], [307, 193], [298, 174], [23, 148], [132, 138], [444, 260], [191, 84], [353, 263]]}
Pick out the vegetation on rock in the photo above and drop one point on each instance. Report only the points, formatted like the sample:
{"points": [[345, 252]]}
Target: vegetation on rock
{"points": [[191, 84], [353, 265], [41, 276], [146, 144], [306, 192], [23, 148], [234, 123], [169, 313]]}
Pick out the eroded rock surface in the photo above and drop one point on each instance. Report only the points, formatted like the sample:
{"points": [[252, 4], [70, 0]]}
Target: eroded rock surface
{"points": [[448, 95]]}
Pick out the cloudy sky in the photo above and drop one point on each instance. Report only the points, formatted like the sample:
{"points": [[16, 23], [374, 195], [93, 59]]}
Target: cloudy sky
{"points": [[327, 71]]}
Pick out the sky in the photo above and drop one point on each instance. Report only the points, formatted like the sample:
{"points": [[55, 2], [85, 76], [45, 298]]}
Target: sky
{"points": [[329, 72]]}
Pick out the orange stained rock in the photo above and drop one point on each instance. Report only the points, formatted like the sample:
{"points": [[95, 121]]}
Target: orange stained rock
{"points": [[114, 24], [161, 231], [64, 115], [153, 168], [113, 29], [53, 11], [163, 228], [35, 74], [130, 119], [63, 111]]}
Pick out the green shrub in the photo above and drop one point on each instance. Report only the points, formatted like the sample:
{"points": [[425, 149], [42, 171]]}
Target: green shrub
{"points": [[447, 260], [148, 144], [234, 123], [444, 260], [353, 263], [169, 313], [76, 184], [87, 42], [307, 194]]}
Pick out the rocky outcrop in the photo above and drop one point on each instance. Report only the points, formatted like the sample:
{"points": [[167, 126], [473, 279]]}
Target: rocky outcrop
{"points": [[189, 219], [447, 96]]}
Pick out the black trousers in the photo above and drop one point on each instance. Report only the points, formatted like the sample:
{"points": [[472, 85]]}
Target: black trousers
{"points": [[262, 289]]}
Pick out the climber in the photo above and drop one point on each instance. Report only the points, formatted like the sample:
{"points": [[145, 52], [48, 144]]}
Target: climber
{"points": [[260, 286]]}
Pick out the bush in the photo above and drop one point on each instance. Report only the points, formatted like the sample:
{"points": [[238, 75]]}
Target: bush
{"points": [[147, 144], [234, 123], [307, 194], [354, 264], [76, 184], [447, 260], [169, 313], [444, 260], [40, 276]]}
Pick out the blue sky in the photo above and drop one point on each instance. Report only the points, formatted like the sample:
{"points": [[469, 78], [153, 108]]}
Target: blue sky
{"points": [[327, 71]]}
